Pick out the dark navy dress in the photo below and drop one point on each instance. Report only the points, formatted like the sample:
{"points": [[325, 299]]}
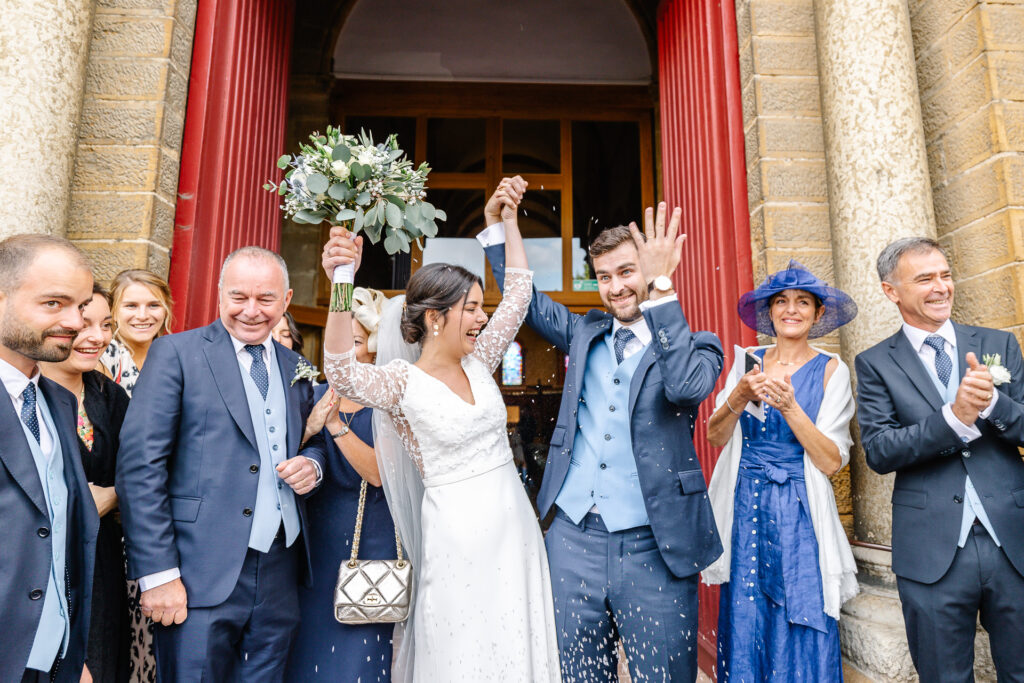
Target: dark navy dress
{"points": [[323, 649], [771, 620]]}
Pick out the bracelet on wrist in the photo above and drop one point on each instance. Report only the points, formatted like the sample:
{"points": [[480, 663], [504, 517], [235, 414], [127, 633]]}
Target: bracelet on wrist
{"points": [[729, 406]]}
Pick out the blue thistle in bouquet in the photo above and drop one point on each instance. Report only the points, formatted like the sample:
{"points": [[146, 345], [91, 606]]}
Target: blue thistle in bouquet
{"points": [[373, 188]]}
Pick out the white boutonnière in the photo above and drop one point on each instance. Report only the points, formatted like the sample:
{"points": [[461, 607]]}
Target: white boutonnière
{"points": [[305, 371], [1000, 375]]}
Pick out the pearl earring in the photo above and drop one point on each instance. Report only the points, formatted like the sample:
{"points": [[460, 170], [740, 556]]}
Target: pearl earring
{"points": [[435, 330]]}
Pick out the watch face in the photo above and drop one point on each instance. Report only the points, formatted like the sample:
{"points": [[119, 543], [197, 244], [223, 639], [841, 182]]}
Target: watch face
{"points": [[662, 283]]}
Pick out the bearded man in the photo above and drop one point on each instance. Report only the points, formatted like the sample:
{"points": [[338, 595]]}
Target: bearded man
{"points": [[50, 522]]}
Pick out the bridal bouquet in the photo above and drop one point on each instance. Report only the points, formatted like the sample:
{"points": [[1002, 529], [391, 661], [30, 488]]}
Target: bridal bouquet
{"points": [[369, 187]]}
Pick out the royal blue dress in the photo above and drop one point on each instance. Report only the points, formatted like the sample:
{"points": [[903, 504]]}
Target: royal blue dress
{"points": [[771, 620], [323, 649]]}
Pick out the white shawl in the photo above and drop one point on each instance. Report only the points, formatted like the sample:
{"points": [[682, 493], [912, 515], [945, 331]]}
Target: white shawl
{"points": [[835, 559]]}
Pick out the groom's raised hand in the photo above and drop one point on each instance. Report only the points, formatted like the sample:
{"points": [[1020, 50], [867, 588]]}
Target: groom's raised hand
{"points": [[660, 246], [975, 391]]}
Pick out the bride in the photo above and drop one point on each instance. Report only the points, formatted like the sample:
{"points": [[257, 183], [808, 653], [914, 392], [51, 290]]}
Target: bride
{"points": [[482, 594]]}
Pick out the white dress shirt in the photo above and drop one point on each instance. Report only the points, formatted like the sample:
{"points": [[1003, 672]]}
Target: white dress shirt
{"points": [[15, 382]]}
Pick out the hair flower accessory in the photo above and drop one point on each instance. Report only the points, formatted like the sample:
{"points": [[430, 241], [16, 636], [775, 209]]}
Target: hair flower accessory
{"points": [[1000, 375], [303, 370]]}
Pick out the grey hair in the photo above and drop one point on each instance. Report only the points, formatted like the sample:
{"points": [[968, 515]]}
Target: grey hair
{"points": [[254, 252], [890, 257], [19, 251]]}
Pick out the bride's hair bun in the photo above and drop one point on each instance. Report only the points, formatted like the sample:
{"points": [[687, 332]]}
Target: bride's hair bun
{"points": [[434, 287]]}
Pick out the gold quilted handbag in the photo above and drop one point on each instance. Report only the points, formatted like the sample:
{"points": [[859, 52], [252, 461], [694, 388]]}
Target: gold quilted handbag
{"points": [[372, 591]]}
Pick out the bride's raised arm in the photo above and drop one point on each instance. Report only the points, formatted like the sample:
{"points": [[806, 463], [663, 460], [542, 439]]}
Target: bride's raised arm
{"points": [[376, 387], [501, 330]]}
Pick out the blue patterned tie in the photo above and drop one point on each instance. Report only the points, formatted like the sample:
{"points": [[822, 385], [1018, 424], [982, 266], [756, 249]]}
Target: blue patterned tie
{"points": [[28, 410], [623, 336], [943, 363], [258, 369]]}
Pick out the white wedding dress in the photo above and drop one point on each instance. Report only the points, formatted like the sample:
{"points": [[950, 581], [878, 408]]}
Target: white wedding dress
{"points": [[483, 607]]}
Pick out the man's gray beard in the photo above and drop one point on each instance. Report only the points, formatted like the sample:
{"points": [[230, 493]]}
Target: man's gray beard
{"points": [[16, 336]]}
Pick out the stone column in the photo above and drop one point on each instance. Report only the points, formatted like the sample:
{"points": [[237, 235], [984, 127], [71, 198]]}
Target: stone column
{"points": [[44, 44], [878, 190]]}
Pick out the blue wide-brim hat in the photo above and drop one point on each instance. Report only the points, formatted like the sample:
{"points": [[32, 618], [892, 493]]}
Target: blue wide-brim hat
{"points": [[839, 307]]}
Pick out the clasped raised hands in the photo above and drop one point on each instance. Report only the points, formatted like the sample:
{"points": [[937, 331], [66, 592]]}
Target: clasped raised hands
{"points": [[504, 203], [975, 391]]}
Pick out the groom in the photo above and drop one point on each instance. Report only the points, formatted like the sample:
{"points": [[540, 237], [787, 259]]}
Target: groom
{"points": [[633, 525]]}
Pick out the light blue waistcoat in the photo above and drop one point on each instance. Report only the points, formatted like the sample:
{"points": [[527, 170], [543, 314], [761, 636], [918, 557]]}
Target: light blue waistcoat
{"points": [[602, 471], [54, 624], [275, 500], [972, 501]]}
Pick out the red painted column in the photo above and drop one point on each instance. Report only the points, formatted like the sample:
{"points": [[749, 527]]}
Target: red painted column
{"points": [[704, 171], [234, 133]]}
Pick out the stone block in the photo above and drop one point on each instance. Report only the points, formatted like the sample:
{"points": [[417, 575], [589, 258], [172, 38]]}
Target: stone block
{"points": [[743, 30], [110, 257], [749, 99], [162, 233], [133, 79], [991, 299], [746, 63], [970, 142], [1010, 119], [782, 17], [751, 143], [965, 40], [1004, 27], [818, 261], [932, 70], [148, 7], [798, 225], [755, 195], [788, 95], [115, 168], [172, 130], [794, 180], [795, 137], [1009, 73], [120, 122], [780, 55], [176, 89], [182, 34], [873, 636], [961, 97], [158, 260], [130, 36], [167, 175], [985, 244], [109, 215], [936, 162], [970, 196], [935, 17]]}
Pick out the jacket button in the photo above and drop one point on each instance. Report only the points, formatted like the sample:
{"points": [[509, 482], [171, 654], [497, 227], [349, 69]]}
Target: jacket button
{"points": [[43, 532], [966, 453], [611, 409], [35, 594], [607, 437], [604, 466], [254, 468], [958, 499], [247, 512], [616, 380]]}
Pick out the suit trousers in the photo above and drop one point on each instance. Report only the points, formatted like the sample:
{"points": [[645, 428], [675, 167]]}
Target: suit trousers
{"points": [[245, 638], [614, 585], [941, 617]]}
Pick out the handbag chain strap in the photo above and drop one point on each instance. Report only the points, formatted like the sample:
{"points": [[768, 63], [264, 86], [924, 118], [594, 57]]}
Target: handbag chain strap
{"points": [[352, 560]]}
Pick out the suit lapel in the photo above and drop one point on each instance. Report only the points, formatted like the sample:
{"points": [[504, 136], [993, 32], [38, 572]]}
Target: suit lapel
{"points": [[638, 375], [909, 362], [17, 456], [220, 354], [65, 417], [286, 367], [967, 340], [595, 331]]}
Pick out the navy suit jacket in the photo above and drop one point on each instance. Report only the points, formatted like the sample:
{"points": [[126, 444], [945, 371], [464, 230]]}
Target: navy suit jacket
{"points": [[678, 370], [903, 431], [187, 469], [25, 555]]}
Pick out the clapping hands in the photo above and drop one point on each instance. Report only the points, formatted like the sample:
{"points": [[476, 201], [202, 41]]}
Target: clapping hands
{"points": [[975, 391]]}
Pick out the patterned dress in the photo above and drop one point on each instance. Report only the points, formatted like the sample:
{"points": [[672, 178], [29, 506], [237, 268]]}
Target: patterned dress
{"points": [[771, 621], [118, 360]]}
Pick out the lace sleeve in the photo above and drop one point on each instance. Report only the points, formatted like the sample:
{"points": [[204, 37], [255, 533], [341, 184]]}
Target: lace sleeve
{"points": [[504, 325], [369, 385]]}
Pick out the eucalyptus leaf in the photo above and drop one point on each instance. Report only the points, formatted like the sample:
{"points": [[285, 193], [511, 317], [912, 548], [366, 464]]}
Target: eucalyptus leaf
{"points": [[394, 154], [282, 190], [359, 171], [363, 198], [395, 199], [373, 232], [341, 153], [283, 161], [357, 222], [393, 214], [311, 217], [317, 183], [392, 244], [427, 211], [269, 187], [413, 229], [339, 191], [346, 215], [440, 215], [429, 229], [412, 213]]}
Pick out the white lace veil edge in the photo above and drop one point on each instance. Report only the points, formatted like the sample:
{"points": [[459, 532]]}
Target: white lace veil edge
{"points": [[401, 481]]}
